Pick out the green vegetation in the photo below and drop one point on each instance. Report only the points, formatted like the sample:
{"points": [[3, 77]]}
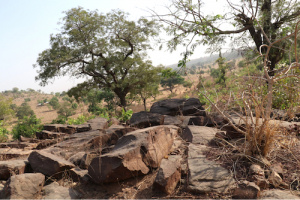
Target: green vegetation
{"points": [[54, 103], [170, 78], [109, 50], [6, 112], [23, 111], [27, 127], [3, 132]]}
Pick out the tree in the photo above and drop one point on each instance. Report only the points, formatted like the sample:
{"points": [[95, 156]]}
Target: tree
{"points": [[24, 111], [54, 102], [109, 50], [257, 22], [170, 78], [67, 109]]}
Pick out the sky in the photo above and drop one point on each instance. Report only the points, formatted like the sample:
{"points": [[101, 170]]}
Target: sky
{"points": [[26, 26]]}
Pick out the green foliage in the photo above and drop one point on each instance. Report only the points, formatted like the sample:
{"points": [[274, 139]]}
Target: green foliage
{"points": [[108, 50], [187, 84], [54, 102], [170, 78], [24, 110], [125, 115], [27, 99], [81, 119], [3, 132], [27, 127], [5, 110], [66, 109]]}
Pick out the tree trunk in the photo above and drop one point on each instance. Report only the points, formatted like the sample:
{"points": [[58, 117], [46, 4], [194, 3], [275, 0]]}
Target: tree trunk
{"points": [[269, 99], [145, 107]]}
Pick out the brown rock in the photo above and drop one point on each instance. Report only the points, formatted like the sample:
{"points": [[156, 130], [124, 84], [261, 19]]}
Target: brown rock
{"points": [[172, 120], [168, 175], [59, 128], [24, 186], [98, 123], [133, 154], [77, 174], [48, 135], [9, 153], [11, 167], [86, 160], [246, 190], [81, 128], [48, 164], [277, 194], [18, 145], [76, 158], [55, 191], [275, 179], [198, 134]]}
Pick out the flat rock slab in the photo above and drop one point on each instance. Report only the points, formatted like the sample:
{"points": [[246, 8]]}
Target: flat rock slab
{"points": [[277, 194], [48, 164], [145, 119], [73, 144], [18, 145], [62, 128], [172, 120], [175, 107], [24, 186], [9, 153], [168, 175], [198, 134], [81, 128], [99, 123], [55, 191], [133, 154], [11, 167], [206, 175]]}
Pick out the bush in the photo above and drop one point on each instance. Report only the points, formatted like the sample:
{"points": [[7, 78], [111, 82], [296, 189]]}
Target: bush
{"points": [[125, 115], [27, 127], [27, 99], [66, 110], [3, 132], [54, 103], [24, 110]]}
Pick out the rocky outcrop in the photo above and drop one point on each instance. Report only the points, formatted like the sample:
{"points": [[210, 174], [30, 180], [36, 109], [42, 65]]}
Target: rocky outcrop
{"points": [[9, 153], [133, 154], [174, 107], [198, 134], [48, 164], [98, 123], [24, 186], [277, 194], [55, 191]]}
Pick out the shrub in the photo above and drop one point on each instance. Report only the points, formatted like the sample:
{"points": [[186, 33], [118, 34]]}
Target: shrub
{"points": [[3, 132], [125, 115], [66, 110], [24, 110], [54, 103], [27, 127], [27, 99]]}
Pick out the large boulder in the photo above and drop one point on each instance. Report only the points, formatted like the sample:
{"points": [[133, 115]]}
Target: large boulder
{"points": [[11, 167], [24, 186], [134, 154], [174, 107], [145, 119], [48, 164]]}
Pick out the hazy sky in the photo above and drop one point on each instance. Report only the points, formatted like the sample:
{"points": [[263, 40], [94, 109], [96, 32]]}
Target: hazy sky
{"points": [[26, 26]]}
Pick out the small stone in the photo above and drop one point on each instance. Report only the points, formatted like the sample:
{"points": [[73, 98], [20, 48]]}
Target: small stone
{"points": [[275, 179]]}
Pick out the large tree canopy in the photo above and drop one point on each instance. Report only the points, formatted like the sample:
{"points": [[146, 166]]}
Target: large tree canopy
{"points": [[253, 22], [109, 50]]}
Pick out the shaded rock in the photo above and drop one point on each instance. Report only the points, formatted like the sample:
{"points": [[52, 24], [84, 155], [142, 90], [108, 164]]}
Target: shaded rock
{"points": [[11, 167], [168, 175], [86, 160], [246, 190], [25, 139], [98, 123], [24, 186], [206, 175], [76, 158], [133, 154], [275, 179], [77, 174], [174, 107], [172, 120], [18, 145], [55, 191], [110, 136], [200, 121], [277, 167], [48, 135], [81, 128], [59, 128], [277, 194], [198, 134], [9, 153], [145, 119], [46, 143], [48, 164]]}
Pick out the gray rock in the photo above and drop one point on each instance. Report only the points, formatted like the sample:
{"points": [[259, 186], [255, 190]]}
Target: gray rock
{"points": [[277, 194], [198, 134], [77, 174], [24, 186], [9, 153], [55, 191], [11, 167], [98, 123], [48, 164], [133, 154], [206, 175], [174, 107], [76, 158], [172, 120]]}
